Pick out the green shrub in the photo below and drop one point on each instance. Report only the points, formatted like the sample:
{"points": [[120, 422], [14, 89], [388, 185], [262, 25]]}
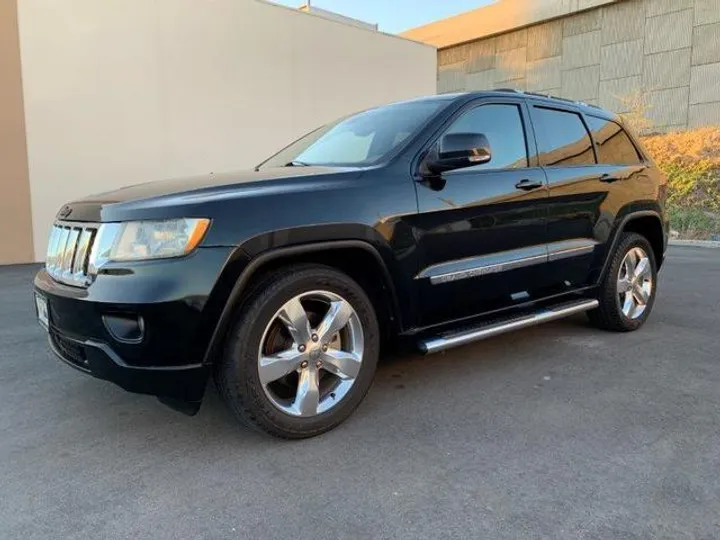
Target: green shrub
{"points": [[691, 161], [692, 185], [693, 222]]}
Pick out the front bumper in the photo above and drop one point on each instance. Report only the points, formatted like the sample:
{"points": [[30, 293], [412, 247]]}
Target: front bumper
{"points": [[182, 383], [164, 353]]}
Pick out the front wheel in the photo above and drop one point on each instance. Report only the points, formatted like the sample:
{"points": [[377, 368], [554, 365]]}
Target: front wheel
{"points": [[302, 353], [627, 293]]}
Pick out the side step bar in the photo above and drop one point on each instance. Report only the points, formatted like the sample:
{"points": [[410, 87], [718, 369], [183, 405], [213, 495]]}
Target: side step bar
{"points": [[448, 341]]}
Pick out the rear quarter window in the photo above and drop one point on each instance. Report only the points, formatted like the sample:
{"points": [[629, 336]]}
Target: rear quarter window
{"points": [[613, 144]]}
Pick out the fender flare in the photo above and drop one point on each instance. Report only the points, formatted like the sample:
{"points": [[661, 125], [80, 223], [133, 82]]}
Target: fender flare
{"points": [[267, 256], [618, 233]]}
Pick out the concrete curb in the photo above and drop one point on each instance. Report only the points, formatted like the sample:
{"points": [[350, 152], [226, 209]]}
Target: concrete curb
{"points": [[696, 243]]}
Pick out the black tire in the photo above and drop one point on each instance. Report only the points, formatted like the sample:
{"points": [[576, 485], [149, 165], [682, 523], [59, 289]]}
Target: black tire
{"points": [[609, 315], [237, 376]]}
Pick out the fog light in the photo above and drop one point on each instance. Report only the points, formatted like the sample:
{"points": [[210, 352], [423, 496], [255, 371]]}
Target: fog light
{"points": [[125, 328]]}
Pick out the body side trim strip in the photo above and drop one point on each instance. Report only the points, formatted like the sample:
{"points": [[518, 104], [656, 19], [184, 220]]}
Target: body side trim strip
{"points": [[507, 260], [571, 248], [494, 262], [488, 269]]}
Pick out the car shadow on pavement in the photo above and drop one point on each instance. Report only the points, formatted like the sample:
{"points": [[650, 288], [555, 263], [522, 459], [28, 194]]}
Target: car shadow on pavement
{"points": [[402, 382]]}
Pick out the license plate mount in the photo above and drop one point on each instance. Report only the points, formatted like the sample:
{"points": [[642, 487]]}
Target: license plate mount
{"points": [[42, 311]]}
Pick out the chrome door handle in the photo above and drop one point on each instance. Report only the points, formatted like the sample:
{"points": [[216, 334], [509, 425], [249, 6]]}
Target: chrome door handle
{"points": [[528, 185]]}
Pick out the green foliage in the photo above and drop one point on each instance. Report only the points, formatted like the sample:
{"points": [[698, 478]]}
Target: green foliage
{"points": [[693, 222], [693, 185], [691, 161], [693, 199]]}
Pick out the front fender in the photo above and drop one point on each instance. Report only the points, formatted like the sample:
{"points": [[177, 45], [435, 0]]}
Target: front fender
{"points": [[255, 260]]}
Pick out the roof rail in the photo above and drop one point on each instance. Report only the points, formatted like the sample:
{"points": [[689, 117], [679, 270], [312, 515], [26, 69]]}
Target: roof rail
{"points": [[548, 96]]}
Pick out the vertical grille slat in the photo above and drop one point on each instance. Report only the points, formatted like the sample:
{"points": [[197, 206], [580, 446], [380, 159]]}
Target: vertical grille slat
{"points": [[68, 252], [51, 258], [70, 248], [60, 253], [80, 264]]}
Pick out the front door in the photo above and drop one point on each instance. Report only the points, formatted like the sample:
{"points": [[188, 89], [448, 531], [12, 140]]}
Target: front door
{"points": [[482, 230]]}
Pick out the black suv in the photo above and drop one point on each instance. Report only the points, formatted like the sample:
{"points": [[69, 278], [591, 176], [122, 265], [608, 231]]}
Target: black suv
{"points": [[440, 221]]}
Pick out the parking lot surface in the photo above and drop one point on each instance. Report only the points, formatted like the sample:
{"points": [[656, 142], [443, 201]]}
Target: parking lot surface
{"points": [[561, 431]]}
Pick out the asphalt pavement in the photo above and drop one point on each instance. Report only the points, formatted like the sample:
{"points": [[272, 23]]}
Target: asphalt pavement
{"points": [[560, 431]]}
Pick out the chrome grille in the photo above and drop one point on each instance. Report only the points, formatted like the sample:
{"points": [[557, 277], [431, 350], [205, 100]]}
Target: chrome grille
{"points": [[69, 252]]}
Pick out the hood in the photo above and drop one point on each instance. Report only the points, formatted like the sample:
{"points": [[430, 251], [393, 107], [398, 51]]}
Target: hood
{"points": [[181, 193], [206, 183]]}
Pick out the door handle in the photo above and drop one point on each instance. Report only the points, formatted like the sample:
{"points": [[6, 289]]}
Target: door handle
{"points": [[529, 185], [609, 178]]}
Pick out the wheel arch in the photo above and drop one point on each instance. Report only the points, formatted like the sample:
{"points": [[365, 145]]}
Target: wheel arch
{"points": [[357, 257], [649, 226], [647, 223]]}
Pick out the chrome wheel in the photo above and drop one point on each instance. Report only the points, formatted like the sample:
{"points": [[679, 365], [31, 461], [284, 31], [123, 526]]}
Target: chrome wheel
{"points": [[311, 353], [635, 283]]}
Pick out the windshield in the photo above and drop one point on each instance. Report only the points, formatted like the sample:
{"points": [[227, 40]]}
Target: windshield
{"points": [[359, 140]]}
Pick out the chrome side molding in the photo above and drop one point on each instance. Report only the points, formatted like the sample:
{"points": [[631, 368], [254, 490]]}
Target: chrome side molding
{"points": [[570, 248], [484, 264], [439, 344], [506, 260]]}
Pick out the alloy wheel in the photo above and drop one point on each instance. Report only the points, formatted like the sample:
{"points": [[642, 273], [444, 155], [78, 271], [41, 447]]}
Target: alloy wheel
{"points": [[311, 353], [635, 283]]}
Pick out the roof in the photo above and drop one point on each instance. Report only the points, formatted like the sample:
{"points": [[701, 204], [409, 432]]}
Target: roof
{"points": [[337, 20], [307, 8], [505, 92], [497, 18], [546, 98]]}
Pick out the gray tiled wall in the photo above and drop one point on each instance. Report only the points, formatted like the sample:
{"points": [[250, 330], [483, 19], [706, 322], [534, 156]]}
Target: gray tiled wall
{"points": [[667, 52]]}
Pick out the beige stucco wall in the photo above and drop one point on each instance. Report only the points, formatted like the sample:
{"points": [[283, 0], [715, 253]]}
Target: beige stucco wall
{"points": [[125, 91], [496, 18], [15, 222]]}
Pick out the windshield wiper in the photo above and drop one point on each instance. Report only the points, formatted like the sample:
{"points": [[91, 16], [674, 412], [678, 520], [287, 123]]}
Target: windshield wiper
{"points": [[297, 164]]}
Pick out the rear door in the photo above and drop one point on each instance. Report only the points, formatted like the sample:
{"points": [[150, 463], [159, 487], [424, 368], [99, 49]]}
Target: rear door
{"points": [[577, 193], [482, 230], [623, 170], [588, 162]]}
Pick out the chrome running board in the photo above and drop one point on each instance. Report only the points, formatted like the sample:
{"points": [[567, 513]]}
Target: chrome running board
{"points": [[448, 341]]}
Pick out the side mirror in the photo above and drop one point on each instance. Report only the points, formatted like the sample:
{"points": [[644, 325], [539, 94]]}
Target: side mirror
{"points": [[460, 150]]}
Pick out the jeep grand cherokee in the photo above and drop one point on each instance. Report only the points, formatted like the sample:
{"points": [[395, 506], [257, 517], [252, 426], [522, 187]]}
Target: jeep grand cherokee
{"points": [[438, 221]]}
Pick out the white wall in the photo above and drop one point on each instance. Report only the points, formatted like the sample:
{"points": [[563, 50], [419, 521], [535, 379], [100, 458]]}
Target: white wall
{"points": [[124, 91]]}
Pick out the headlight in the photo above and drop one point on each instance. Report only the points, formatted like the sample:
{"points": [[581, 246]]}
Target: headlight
{"points": [[144, 240]]}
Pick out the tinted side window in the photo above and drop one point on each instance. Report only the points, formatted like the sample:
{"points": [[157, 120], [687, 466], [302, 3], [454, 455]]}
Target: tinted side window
{"points": [[562, 138], [503, 126], [614, 147]]}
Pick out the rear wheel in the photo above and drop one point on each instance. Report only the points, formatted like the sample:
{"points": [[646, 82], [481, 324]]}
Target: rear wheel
{"points": [[302, 353], [627, 294]]}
